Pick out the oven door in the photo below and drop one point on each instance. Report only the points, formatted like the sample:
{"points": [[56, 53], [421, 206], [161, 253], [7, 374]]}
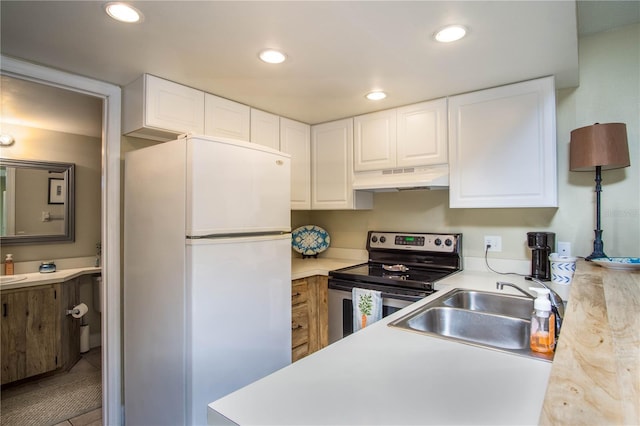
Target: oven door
{"points": [[341, 307]]}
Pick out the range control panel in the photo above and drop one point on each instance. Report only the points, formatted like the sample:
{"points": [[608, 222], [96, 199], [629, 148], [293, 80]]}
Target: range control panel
{"points": [[443, 243]]}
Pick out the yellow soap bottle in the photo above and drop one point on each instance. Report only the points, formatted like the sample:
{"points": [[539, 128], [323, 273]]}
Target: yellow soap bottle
{"points": [[8, 265], [543, 333]]}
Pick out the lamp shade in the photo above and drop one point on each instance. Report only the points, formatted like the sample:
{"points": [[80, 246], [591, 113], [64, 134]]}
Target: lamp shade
{"points": [[602, 145]]}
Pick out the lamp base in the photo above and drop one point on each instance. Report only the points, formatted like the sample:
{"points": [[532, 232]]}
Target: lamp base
{"points": [[598, 246], [596, 255]]}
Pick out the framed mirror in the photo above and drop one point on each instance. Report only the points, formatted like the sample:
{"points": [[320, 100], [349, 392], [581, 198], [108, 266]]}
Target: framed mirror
{"points": [[38, 202]]}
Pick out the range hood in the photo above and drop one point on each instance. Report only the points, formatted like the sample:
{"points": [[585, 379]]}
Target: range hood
{"points": [[399, 179]]}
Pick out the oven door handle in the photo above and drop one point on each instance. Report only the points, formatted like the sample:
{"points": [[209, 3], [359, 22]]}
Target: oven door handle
{"points": [[336, 285], [347, 286]]}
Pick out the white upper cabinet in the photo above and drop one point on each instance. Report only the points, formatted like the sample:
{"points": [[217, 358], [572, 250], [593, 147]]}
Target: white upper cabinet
{"points": [[411, 136], [332, 168], [265, 128], [422, 134], [375, 141], [295, 140], [158, 109], [226, 118], [502, 147]]}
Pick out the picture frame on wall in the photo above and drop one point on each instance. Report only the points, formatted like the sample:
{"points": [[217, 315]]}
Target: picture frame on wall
{"points": [[56, 191]]}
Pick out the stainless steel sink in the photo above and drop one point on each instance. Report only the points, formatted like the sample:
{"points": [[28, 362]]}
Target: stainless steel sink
{"points": [[495, 303], [490, 320], [473, 326]]}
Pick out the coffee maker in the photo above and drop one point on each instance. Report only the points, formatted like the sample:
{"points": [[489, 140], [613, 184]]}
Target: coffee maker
{"points": [[542, 245]]}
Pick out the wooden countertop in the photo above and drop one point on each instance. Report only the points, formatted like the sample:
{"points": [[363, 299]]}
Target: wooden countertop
{"points": [[595, 378]]}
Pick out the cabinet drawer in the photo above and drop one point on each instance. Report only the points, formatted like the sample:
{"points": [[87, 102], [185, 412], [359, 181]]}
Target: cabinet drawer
{"points": [[299, 352], [299, 324], [299, 292]]}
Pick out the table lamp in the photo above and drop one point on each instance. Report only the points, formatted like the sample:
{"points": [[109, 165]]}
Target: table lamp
{"points": [[599, 147]]}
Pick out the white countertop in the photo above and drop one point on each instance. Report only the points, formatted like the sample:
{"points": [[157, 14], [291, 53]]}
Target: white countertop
{"points": [[37, 278], [302, 268], [382, 375]]}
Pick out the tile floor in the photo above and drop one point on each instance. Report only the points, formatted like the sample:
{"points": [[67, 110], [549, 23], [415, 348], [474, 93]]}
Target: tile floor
{"points": [[89, 361], [92, 418]]}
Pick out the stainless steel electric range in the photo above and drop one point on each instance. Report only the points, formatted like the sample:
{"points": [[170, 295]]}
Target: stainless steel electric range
{"points": [[402, 265]]}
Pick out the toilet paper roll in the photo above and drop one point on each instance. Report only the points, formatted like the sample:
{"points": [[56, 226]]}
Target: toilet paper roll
{"points": [[84, 338], [79, 311]]}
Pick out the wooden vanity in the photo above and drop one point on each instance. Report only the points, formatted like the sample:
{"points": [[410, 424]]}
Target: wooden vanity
{"points": [[38, 336]]}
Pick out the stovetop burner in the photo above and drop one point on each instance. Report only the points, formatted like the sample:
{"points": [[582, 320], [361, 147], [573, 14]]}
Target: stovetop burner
{"points": [[377, 273], [409, 261]]}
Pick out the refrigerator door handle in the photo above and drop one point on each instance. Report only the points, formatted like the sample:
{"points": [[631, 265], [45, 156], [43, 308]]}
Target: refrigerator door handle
{"points": [[238, 235]]}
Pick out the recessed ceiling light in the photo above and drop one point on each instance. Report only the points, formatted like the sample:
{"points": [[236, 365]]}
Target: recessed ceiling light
{"points": [[6, 139], [376, 95], [123, 12], [450, 33], [272, 56]]}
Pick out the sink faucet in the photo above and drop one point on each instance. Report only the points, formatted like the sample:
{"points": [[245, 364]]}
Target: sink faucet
{"points": [[501, 284], [557, 305]]}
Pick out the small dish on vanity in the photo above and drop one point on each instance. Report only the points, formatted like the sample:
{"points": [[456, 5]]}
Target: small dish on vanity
{"points": [[47, 267]]}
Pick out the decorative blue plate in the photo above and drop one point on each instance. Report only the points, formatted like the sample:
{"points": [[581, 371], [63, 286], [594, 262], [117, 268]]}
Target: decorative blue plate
{"points": [[309, 240], [624, 263]]}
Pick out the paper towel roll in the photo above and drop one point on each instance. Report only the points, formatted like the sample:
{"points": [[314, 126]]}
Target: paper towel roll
{"points": [[79, 311]]}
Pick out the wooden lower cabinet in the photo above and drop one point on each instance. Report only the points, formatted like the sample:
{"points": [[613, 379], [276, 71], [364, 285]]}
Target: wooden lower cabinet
{"points": [[309, 316], [37, 335]]}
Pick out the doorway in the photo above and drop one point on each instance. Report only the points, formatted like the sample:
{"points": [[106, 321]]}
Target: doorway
{"points": [[110, 218]]}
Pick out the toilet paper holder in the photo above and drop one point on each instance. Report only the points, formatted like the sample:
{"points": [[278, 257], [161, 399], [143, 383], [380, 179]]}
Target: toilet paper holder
{"points": [[78, 311]]}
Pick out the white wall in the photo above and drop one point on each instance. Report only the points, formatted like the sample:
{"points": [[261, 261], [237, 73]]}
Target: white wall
{"points": [[609, 91]]}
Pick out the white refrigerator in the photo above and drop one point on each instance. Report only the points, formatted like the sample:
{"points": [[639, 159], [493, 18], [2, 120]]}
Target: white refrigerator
{"points": [[207, 274]]}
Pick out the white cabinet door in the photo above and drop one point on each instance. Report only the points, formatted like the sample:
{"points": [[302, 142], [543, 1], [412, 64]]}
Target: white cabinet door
{"points": [[265, 128], [226, 118], [502, 148], [159, 109], [422, 134], [295, 140], [375, 141], [332, 168]]}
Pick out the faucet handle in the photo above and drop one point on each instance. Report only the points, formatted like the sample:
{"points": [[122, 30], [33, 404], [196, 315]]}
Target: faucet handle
{"points": [[501, 284]]}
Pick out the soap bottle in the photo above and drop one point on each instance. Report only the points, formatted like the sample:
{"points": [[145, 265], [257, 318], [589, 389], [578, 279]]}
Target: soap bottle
{"points": [[543, 334], [8, 265]]}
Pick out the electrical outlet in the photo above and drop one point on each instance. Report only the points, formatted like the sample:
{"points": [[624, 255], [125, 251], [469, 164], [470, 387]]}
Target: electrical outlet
{"points": [[564, 248], [494, 241]]}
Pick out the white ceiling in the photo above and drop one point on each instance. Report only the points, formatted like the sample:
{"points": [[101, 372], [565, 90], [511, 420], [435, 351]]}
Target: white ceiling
{"points": [[337, 50]]}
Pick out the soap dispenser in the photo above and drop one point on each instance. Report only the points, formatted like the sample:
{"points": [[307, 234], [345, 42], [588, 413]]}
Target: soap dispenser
{"points": [[543, 335], [8, 265]]}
